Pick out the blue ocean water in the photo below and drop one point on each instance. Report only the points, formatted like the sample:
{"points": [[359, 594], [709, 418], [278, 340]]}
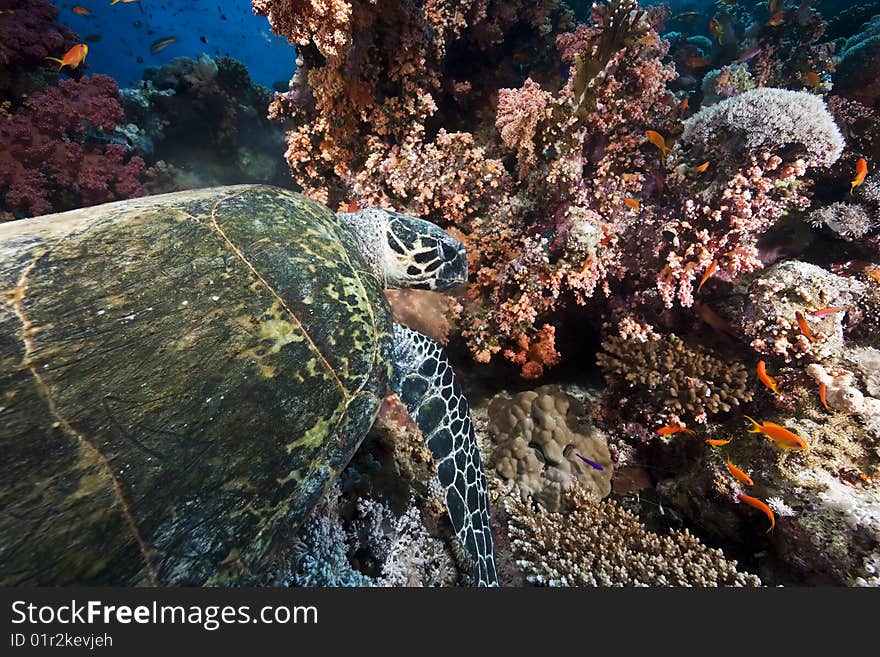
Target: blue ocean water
{"points": [[118, 35]]}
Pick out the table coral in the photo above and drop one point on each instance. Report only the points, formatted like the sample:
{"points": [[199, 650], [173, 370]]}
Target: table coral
{"points": [[538, 437], [766, 119], [601, 544]]}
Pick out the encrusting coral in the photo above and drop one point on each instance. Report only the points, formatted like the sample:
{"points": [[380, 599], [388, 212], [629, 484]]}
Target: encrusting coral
{"points": [[540, 443], [672, 379], [770, 314], [601, 544]]}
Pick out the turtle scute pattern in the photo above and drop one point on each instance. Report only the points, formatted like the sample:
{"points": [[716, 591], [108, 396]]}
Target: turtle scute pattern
{"points": [[424, 380], [189, 373]]}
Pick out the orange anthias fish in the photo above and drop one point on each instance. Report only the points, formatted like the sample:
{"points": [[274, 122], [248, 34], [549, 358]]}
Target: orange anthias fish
{"points": [[715, 320], [709, 271], [755, 503], [81, 11], [632, 202], [682, 106], [765, 378], [73, 57], [353, 207], [776, 19], [804, 327], [657, 139], [875, 274], [861, 172], [778, 434], [813, 79], [700, 168], [716, 442], [822, 312], [739, 474], [822, 396], [115, 1], [670, 429]]}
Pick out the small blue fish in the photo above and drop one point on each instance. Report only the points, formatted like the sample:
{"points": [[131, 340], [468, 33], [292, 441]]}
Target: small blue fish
{"points": [[589, 462]]}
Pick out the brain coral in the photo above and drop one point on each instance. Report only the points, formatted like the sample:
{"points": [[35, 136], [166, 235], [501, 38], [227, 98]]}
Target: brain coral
{"points": [[765, 119], [675, 378], [537, 440]]}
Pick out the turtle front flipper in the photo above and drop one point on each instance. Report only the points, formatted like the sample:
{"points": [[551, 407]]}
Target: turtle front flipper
{"points": [[423, 379]]}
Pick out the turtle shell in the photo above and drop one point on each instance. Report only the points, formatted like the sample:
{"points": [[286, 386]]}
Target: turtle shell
{"points": [[181, 379]]}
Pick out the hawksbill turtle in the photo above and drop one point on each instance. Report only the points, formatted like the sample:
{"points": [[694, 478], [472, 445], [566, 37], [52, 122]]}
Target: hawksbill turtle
{"points": [[183, 376]]}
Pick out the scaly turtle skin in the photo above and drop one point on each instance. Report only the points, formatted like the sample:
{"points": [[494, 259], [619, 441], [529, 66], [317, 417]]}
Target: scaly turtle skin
{"points": [[183, 376]]}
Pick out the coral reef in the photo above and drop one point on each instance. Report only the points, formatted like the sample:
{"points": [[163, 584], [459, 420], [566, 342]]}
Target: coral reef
{"points": [[600, 544], [770, 313], [672, 381], [771, 120], [57, 150], [330, 546], [650, 192], [540, 443], [205, 121]]}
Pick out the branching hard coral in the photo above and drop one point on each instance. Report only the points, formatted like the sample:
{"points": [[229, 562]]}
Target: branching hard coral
{"points": [[540, 445], [601, 544], [676, 381]]}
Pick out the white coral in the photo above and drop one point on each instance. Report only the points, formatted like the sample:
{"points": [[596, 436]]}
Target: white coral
{"points": [[769, 119]]}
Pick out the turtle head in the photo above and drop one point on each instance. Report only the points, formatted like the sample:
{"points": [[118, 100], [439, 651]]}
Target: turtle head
{"points": [[408, 252]]}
